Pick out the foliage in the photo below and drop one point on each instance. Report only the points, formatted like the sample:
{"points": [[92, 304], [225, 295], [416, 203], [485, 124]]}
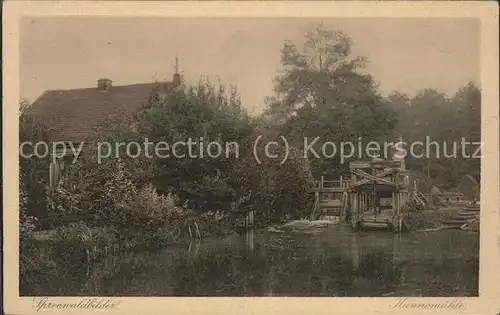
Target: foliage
{"points": [[445, 120], [78, 243], [201, 114], [278, 192], [27, 224], [32, 171], [119, 203], [322, 93]]}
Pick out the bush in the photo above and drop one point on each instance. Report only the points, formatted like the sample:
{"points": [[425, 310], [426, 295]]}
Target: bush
{"points": [[279, 192], [77, 242], [118, 204], [216, 224], [197, 111], [151, 211], [27, 224], [34, 255]]}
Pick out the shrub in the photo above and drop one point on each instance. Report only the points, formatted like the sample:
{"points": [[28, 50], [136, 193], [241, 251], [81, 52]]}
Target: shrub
{"points": [[216, 224], [279, 192], [150, 211], [34, 255], [63, 203], [77, 242], [27, 224]]}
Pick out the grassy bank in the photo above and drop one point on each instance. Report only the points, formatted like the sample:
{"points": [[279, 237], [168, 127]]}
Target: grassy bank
{"points": [[80, 245], [429, 219]]}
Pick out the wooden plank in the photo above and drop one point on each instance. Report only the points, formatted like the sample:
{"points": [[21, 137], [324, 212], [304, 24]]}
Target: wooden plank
{"points": [[328, 189], [316, 206], [331, 183], [382, 174], [330, 203], [387, 163], [379, 218], [375, 164], [372, 178], [360, 164]]}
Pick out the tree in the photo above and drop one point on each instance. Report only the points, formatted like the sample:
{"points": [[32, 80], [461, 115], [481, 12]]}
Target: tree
{"points": [[200, 114], [321, 92], [445, 120], [33, 172]]}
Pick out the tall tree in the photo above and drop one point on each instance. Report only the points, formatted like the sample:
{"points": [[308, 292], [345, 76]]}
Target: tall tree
{"points": [[322, 93], [443, 119]]}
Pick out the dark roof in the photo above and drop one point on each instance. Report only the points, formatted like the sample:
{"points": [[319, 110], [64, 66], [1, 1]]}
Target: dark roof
{"points": [[71, 115]]}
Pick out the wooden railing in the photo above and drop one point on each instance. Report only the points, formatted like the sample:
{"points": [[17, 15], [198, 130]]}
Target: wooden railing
{"points": [[330, 183]]}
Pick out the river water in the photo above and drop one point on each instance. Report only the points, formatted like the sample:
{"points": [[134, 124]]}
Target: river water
{"points": [[331, 261]]}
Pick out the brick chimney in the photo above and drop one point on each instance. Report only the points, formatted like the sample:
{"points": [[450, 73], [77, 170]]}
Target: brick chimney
{"points": [[177, 77], [104, 85]]}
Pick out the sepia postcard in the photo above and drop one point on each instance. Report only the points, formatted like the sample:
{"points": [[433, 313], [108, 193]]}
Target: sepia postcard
{"points": [[251, 157]]}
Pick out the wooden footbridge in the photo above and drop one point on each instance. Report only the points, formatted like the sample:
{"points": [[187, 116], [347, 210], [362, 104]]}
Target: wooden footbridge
{"points": [[374, 197]]}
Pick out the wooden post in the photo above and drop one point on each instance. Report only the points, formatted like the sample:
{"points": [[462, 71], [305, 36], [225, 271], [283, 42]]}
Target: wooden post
{"points": [[361, 206], [356, 200], [396, 222], [374, 193], [400, 216], [51, 175], [342, 206], [316, 204], [351, 200], [354, 210], [363, 201], [394, 210]]}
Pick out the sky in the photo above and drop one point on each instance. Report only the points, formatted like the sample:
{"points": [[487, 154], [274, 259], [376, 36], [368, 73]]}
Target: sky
{"points": [[404, 54]]}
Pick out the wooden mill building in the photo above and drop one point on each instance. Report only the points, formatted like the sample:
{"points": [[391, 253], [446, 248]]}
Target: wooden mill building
{"points": [[377, 192]]}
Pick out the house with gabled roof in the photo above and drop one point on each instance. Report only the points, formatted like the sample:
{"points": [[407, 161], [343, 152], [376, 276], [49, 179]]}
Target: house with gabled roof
{"points": [[72, 115]]}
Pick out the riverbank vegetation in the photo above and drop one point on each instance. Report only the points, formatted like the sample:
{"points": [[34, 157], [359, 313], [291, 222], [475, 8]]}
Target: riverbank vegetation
{"points": [[123, 203]]}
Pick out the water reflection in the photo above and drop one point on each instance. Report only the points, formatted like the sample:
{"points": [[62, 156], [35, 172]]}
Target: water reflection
{"points": [[333, 262], [193, 248], [249, 237]]}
